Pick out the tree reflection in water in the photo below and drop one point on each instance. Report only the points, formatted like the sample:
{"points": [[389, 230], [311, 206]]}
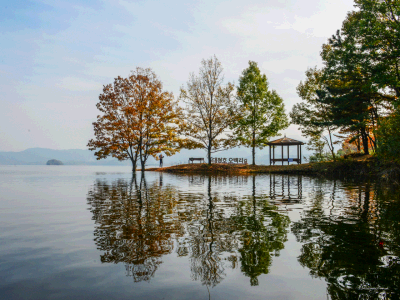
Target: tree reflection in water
{"points": [[207, 238], [246, 228], [132, 224], [352, 242], [263, 232], [137, 224]]}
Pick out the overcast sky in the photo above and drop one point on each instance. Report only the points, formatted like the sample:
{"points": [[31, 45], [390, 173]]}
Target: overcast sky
{"points": [[56, 55]]}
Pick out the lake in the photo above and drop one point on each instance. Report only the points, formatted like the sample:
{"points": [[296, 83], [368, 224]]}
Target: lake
{"points": [[84, 232]]}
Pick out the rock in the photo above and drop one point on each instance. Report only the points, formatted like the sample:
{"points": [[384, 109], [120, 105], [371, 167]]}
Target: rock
{"points": [[54, 162]]}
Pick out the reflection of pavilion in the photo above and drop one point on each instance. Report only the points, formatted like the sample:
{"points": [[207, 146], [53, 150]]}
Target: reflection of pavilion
{"points": [[219, 180], [285, 188], [137, 224], [196, 180]]}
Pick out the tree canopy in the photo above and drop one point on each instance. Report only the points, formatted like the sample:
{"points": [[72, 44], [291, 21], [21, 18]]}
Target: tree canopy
{"points": [[358, 84], [262, 110], [210, 109], [139, 119], [312, 115]]}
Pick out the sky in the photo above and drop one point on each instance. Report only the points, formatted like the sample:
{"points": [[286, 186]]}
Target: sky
{"points": [[56, 55]]}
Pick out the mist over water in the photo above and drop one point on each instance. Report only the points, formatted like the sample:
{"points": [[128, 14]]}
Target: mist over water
{"points": [[98, 232]]}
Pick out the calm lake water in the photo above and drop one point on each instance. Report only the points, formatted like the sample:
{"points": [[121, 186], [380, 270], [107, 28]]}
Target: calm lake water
{"points": [[77, 232]]}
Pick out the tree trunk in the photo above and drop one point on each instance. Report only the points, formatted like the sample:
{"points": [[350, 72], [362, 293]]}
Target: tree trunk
{"points": [[133, 165], [254, 148], [254, 135], [364, 140], [209, 152], [142, 162], [331, 147], [133, 158], [373, 143]]}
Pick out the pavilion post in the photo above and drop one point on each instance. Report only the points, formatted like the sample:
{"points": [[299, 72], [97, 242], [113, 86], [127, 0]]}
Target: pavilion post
{"points": [[273, 153], [288, 154], [300, 154], [269, 154]]}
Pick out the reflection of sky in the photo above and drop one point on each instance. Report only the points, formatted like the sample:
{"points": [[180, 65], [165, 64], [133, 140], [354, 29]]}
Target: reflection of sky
{"points": [[47, 239], [57, 55]]}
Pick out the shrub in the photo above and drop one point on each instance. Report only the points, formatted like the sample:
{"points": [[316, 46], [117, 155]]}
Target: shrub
{"points": [[389, 137]]}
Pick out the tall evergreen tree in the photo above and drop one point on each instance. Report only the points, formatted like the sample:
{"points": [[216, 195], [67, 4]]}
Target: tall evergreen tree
{"points": [[355, 100], [263, 110], [378, 25]]}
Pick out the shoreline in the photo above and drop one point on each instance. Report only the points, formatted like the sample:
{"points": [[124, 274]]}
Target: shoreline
{"points": [[366, 166]]}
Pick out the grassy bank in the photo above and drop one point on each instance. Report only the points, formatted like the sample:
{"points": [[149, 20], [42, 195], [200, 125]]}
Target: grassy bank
{"points": [[364, 166]]}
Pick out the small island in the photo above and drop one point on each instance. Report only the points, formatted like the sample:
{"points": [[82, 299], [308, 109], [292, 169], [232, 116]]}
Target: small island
{"points": [[54, 162]]}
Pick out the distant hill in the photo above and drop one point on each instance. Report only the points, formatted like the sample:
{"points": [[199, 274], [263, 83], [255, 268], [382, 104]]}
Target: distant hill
{"points": [[39, 156]]}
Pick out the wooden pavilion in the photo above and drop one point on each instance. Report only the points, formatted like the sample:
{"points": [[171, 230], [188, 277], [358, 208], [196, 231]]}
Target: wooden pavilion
{"points": [[285, 141]]}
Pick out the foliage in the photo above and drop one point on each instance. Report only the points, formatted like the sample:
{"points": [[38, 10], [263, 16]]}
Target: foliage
{"points": [[360, 79], [378, 25], [352, 142], [359, 258], [263, 111], [210, 109], [54, 162], [312, 116], [317, 144], [389, 137], [357, 65], [348, 87], [139, 119]]}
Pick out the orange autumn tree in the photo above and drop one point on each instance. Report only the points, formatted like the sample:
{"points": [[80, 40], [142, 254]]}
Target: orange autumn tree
{"points": [[138, 119]]}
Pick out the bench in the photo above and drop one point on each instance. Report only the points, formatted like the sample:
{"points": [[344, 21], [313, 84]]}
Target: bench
{"points": [[192, 159]]}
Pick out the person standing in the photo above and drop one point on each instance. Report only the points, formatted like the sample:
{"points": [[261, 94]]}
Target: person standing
{"points": [[161, 160]]}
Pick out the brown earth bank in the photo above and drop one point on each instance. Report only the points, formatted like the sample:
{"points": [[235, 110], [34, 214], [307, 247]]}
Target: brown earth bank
{"points": [[363, 166]]}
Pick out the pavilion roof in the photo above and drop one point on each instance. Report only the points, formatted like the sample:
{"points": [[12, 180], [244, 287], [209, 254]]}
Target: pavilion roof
{"points": [[285, 141]]}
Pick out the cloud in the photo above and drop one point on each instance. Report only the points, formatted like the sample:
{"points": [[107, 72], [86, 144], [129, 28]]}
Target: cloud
{"points": [[279, 29], [58, 56]]}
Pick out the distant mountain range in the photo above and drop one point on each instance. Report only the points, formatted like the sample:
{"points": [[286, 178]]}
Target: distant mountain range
{"points": [[39, 156]]}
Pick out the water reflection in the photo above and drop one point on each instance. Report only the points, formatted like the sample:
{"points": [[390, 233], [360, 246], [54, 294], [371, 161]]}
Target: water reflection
{"points": [[349, 233], [352, 240], [137, 223], [207, 237], [286, 188], [263, 232], [166, 230], [132, 224]]}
